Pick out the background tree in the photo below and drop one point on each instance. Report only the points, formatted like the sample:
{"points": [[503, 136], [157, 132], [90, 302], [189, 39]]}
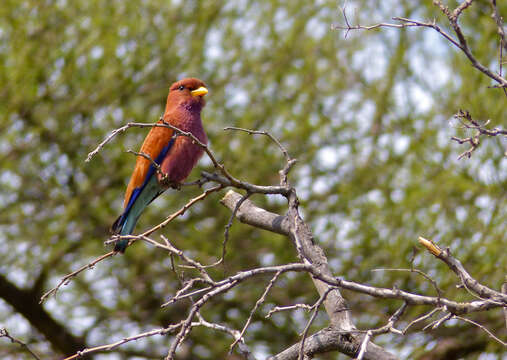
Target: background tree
{"points": [[367, 117]]}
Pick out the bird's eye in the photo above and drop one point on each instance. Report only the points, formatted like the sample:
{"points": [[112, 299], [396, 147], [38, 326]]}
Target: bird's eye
{"points": [[181, 87]]}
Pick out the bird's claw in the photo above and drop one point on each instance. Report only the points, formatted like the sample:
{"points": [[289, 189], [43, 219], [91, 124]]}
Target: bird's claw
{"points": [[167, 183]]}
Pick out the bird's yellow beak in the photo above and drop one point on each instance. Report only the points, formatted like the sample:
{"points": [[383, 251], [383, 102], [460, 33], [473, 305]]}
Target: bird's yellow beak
{"points": [[199, 92]]}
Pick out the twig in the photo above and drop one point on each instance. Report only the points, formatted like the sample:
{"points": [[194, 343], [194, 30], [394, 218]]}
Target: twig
{"points": [[364, 344], [422, 273], [148, 157], [66, 278], [468, 122], [221, 287], [422, 318], [115, 132], [453, 19], [5, 333], [433, 325], [243, 348], [261, 132], [239, 277], [252, 188], [290, 162], [173, 250], [389, 327], [483, 328], [180, 294], [504, 291], [116, 344], [254, 309], [132, 238], [177, 131], [251, 214], [501, 33], [315, 307], [228, 226], [468, 281], [290, 307]]}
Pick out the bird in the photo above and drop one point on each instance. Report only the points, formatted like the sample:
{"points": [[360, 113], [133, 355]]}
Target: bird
{"points": [[175, 155]]}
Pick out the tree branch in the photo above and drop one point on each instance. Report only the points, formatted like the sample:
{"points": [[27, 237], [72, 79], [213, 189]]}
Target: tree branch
{"points": [[5, 333], [452, 16]]}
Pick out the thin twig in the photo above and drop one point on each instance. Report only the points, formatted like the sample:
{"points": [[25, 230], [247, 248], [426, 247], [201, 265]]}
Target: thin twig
{"points": [[467, 122], [265, 133], [422, 318], [221, 287], [290, 162], [254, 309], [111, 346], [468, 281], [504, 291], [453, 19], [5, 333], [422, 273], [173, 250], [315, 307], [66, 278], [287, 308], [433, 325], [228, 226], [483, 328], [243, 348], [501, 33], [115, 132], [364, 345]]}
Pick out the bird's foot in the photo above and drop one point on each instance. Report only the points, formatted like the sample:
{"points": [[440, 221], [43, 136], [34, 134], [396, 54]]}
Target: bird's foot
{"points": [[167, 183]]}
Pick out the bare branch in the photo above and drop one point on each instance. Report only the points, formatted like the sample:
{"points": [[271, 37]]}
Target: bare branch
{"points": [[229, 224], [468, 281], [254, 189], [422, 273], [250, 214], [501, 33], [172, 249], [467, 122], [111, 346], [364, 344], [437, 323], [290, 307], [315, 307], [452, 16], [243, 348], [491, 335], [132, 238], [65, 280], [259, 132], [256, 306], [221, 287], [422, 318], [504, 291], [5, 333], [332, 339]]}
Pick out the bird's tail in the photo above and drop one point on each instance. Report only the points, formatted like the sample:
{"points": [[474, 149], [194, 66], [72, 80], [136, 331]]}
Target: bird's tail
{"points": [[126, 222], [122, 226]]}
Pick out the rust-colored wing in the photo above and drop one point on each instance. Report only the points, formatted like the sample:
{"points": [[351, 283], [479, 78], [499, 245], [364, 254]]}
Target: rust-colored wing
{"points": [[156, 145]]}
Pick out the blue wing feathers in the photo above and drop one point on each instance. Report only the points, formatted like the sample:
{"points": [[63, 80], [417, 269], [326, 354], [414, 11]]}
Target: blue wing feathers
{"points": [[119, 224]]}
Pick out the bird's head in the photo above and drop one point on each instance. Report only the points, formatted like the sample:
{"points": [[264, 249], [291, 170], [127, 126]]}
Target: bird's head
{"points": [[188, 93]]}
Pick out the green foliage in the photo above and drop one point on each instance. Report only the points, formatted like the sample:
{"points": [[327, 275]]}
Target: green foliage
{"points": [[366, 115]]}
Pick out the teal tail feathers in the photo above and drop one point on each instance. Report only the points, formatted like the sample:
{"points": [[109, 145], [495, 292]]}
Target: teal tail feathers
{"points": [[126, 222]]}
